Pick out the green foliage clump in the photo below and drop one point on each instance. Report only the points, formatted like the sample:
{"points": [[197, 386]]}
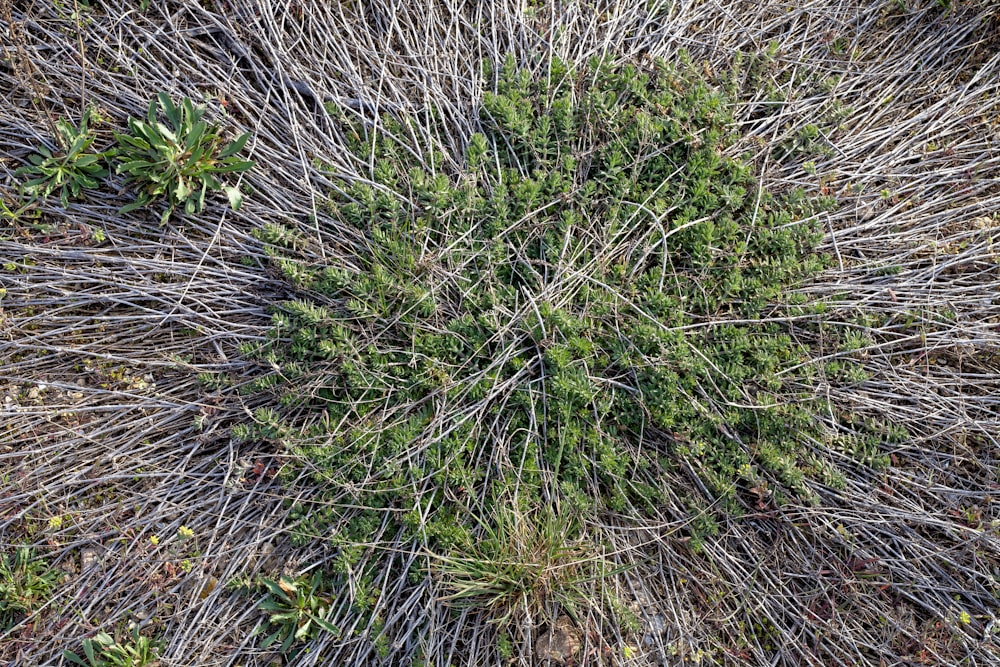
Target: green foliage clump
{"points": [[298, 609], [26, 583], [69, 170], [104, 651], [519, 564], [180, 161], [591, 297]]}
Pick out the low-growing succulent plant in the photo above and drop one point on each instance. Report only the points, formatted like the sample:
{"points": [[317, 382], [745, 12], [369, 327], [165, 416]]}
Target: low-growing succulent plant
{"points": [[587, 301]]}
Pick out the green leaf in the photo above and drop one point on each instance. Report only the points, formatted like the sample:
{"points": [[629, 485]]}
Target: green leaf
{"points": [[169, 109], [196, 155], [166, 133], [151, 112], [235, 198], [88, 159], [303, 631], [134, 206], [181, 190], [192, 113], [201, 196], [85, 119], [147, 133], [77, 144], [83, 181], [270, 639], [268, 604], [234, 167], [285, 645], [328, 626], [235, 146], [135, 165], [73, 657], [275, 590], [133, 141], [194, 136]]}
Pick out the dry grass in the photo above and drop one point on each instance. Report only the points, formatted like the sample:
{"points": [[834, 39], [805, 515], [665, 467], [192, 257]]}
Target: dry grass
{"points": [[879, 572]]}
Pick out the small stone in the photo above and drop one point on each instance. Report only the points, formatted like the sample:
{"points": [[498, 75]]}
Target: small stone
{"points": [[265, 555], [88, 557], [657, 626], [208, 585], [559, 645]]}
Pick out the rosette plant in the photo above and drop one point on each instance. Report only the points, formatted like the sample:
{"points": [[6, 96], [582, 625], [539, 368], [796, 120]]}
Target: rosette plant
{"points": [[181, 159]]}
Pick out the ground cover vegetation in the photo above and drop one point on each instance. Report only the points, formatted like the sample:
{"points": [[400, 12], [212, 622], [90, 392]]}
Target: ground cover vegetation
{"points": [[567, 333], [591, 295]]}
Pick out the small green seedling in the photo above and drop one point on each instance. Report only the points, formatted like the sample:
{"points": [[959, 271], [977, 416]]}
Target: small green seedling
{"points": [[180, 160], [70, 169], [297, 608], [104, 651]]}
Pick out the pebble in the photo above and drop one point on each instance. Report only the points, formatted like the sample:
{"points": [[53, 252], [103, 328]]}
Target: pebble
{"points": [[265, 555], [657, 626], [88, 557], [560, 645]]}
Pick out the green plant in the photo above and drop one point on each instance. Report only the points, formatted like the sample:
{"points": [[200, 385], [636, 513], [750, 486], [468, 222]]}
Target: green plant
{"points": [[181, 160], [70, 169], [103, 651], [591, 298], [297, 608], [519, 565], [25, 585]]}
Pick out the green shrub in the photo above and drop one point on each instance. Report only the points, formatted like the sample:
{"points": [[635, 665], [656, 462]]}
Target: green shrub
{"points": [[591, 297]]}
